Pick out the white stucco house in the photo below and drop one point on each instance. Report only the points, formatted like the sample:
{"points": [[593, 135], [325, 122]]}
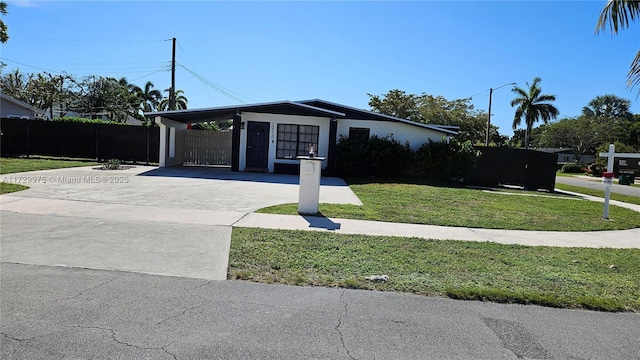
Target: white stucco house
{"points": [[12, 108], [269, 136]]}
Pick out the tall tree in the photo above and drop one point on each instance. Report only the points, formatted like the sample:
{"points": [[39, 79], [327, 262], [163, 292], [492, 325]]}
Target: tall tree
{"points": [[608, 107], [181, 101], [4, 36], [396, 103], [150, 97], [533, 107], [437, 110], [582, 135], [617, 14]]}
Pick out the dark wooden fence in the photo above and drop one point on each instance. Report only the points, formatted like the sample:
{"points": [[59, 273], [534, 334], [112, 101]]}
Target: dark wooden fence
{"points": [[79, 140], [505, 166]]}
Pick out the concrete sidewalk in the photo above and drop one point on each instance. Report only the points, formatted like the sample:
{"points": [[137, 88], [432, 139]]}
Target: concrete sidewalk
{"points": [[148, 215], [594, 239]]}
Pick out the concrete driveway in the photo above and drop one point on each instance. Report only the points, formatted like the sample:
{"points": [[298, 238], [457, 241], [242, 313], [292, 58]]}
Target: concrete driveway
{"points": [[170, 221]]}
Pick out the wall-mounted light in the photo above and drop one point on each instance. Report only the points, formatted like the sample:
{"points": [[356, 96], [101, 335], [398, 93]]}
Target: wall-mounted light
{"points": [[242, 125]]}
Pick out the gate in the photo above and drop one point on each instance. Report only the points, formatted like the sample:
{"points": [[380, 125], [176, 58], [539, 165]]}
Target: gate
{"points": [[528, 168], [206, 147]]}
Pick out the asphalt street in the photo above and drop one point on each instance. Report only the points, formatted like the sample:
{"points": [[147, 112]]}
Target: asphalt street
{"points": [[596, 184], [73, 313]]}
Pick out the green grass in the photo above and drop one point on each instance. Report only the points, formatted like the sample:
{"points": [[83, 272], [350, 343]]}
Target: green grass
{"points": [[557, 277], [15, 165], [449, 205], [6, 188], [599, 193]]}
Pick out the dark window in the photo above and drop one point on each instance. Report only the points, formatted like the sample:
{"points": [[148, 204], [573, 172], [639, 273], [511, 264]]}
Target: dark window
{"points": [[359, 133], [294, 140]]}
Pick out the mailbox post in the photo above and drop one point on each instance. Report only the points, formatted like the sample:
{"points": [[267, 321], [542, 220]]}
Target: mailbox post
{"points": [[309, 192], [607, 180]]}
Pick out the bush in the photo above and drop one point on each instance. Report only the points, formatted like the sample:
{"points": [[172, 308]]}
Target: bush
{"points": [[375, 156], [113, 164], [387, 157], [574, 168], [445, 160], [87, 121]]}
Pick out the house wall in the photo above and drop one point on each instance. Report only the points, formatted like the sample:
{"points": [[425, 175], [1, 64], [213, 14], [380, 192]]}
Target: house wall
{"points": [[401, 132], [564, 157], [274, 120], [172, 134], [8, 108]]}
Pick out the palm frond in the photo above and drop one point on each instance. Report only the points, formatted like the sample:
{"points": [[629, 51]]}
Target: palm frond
{"points": [[633, 77], [617, 14]]}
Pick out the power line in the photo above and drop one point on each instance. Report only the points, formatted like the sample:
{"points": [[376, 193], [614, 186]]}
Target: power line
{"points": [[85, 40], [215, 86], [193, 66]]}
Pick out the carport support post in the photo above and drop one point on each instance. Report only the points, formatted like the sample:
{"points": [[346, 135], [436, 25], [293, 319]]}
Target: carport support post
{"points": [[235, 143]]}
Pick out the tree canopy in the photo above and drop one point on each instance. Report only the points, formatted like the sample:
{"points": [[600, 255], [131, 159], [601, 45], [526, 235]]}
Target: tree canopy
{"points": [[609, 107], [4, 36], [90, 96], [437, 110]]}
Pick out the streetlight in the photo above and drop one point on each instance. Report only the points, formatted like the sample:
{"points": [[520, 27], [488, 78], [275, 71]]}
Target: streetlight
{"points": [[486, 142]]}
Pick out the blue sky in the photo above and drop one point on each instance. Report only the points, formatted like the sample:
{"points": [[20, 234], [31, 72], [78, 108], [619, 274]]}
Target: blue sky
{"points": [[336, 51]]}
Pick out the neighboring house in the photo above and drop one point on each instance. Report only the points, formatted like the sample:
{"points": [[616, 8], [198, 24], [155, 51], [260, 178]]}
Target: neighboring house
{"points": [[566, 155], [269, 136], [12, 108]]}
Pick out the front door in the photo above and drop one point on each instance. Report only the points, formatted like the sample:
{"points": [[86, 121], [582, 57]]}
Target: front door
{"points": [[257, 145]]}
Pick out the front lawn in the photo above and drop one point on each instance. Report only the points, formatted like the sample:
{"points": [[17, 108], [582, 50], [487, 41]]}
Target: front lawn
{"points": [[15, 165], [453, 205], [598, 279]]}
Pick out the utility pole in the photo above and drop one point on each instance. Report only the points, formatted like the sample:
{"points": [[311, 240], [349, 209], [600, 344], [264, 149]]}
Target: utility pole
{"points": [[172, 93], [486, 142]]}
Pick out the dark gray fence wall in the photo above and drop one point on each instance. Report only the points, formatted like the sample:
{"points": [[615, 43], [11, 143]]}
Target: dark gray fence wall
{"points": [[79, 140], [528, 168]]}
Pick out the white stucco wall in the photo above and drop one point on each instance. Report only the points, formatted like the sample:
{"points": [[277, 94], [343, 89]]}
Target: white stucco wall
{"points": [[401, 131], [171, 142], [274, 120]]}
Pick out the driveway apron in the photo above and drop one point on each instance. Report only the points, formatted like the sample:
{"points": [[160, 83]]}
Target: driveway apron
{"points": [[170, 221]]}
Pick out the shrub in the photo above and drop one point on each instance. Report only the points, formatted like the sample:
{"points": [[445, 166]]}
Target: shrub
{"points": [[387, 157], [376, 156], [445, 160], [87, 121], [112, 164], [574, 168]]}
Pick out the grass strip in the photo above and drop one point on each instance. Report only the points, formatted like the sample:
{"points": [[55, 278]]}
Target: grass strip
{"points": [[597, 279], [6, 188], [448, 205], [14, 165]]}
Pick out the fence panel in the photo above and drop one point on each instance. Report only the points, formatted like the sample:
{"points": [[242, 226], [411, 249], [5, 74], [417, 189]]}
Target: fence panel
{"points": [[80, 140], [203, 147], [528, 168]]}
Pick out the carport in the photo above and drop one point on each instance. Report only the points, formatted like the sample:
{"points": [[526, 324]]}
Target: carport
{"points": [[173, 130]]}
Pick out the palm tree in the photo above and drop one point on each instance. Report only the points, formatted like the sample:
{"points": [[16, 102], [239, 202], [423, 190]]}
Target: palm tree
{"points": [[533, 106], [617, 14], [150, 97], [181, 101]]}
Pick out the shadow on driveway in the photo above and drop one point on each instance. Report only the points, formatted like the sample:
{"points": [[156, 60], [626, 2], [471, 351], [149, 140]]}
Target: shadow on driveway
{"points": [[225, 173]]}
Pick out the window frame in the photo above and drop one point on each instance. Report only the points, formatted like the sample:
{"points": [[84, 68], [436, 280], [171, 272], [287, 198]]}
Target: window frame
{"points": [[299, 145]]}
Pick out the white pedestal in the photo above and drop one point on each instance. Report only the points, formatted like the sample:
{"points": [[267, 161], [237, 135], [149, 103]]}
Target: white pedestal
{"points": [[309, 193]]}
